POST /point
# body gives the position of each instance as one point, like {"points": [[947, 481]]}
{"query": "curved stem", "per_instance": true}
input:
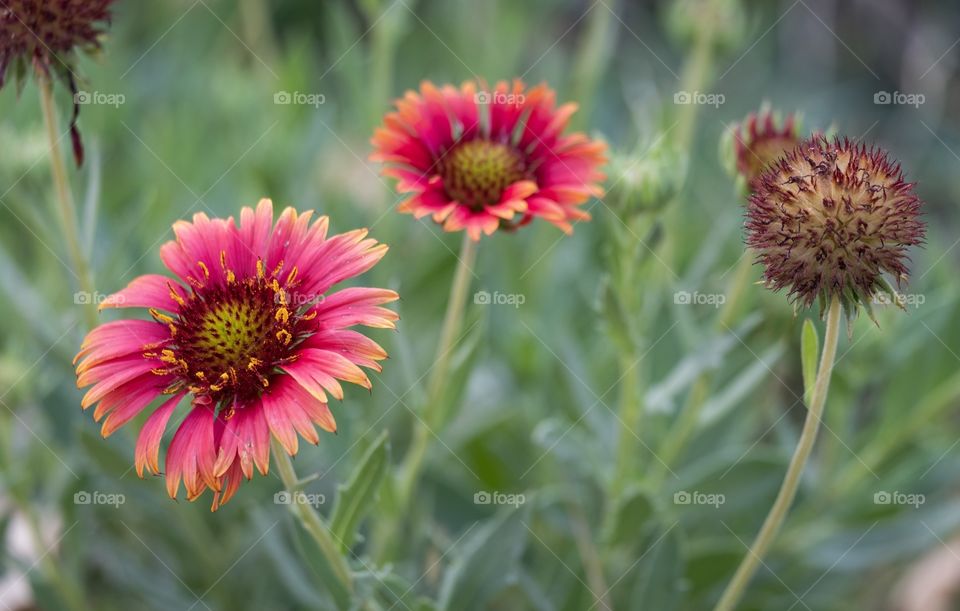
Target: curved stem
{"points": [[435, 412], [312, 522], [748, 566], [65, 206]]}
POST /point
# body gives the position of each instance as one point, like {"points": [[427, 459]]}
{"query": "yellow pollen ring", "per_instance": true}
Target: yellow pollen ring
{"points": [[284, 336], [282, 316], [260, 273]]}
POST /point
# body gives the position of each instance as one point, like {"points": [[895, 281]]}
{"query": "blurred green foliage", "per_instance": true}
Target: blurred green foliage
{"points": [[536, 387]]}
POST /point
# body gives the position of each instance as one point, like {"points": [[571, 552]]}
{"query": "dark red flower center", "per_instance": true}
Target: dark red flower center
{"points": [[475, 173], [227, 340]]}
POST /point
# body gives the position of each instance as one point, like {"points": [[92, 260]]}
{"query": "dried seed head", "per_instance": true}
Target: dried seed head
{"points": [[47, 32], [830, 219]]}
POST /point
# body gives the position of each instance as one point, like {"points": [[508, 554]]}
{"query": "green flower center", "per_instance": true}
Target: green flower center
{"points": [[228, 340], [475, 173]]}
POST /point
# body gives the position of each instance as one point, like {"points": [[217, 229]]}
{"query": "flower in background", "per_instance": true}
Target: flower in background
{"points": [[761, 139], [480, 159], [247, 331], [47, 35], [830, 219]]}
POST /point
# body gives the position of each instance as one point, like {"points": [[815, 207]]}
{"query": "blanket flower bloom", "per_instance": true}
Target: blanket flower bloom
{"points": [[761, 139], [830, 219], [249, 332], [480, 159]]}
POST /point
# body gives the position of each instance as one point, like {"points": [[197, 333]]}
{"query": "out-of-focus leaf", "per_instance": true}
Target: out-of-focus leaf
{"points": [[91, 204], [733, 393], [357, 495], [487, 561], [659, 572], [661, 398], [294, 578], [632, 512], [809, 347]]}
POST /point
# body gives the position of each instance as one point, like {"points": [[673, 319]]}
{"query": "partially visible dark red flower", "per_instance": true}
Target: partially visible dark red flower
{"points": [[830, 219], [760, 140], [47, 34]]}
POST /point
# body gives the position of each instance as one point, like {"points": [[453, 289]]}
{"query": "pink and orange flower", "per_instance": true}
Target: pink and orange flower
{"points": [[480, 159], [249, 332]]}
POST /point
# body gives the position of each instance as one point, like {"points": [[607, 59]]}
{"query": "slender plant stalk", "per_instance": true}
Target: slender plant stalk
{"points": [[310, 520], [65, 206], [771, 526], [435, 413]]}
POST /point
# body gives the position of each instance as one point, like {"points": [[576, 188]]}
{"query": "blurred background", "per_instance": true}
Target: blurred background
{"points": [[573, 475]]}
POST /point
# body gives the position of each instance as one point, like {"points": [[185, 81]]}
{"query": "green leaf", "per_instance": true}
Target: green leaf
{"points": [[809, 349], [357, 495], [660, 572], [633, 511], [487, 561]]}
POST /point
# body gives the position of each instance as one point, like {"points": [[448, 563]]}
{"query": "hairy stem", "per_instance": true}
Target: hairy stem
{"points": [[788, 490], [313, 523], [435, 412], [66, 209]]}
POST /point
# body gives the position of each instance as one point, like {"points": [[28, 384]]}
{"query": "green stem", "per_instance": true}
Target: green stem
{"points": [[435, 413], [313, 523], [65, 206], [788, 490]]}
